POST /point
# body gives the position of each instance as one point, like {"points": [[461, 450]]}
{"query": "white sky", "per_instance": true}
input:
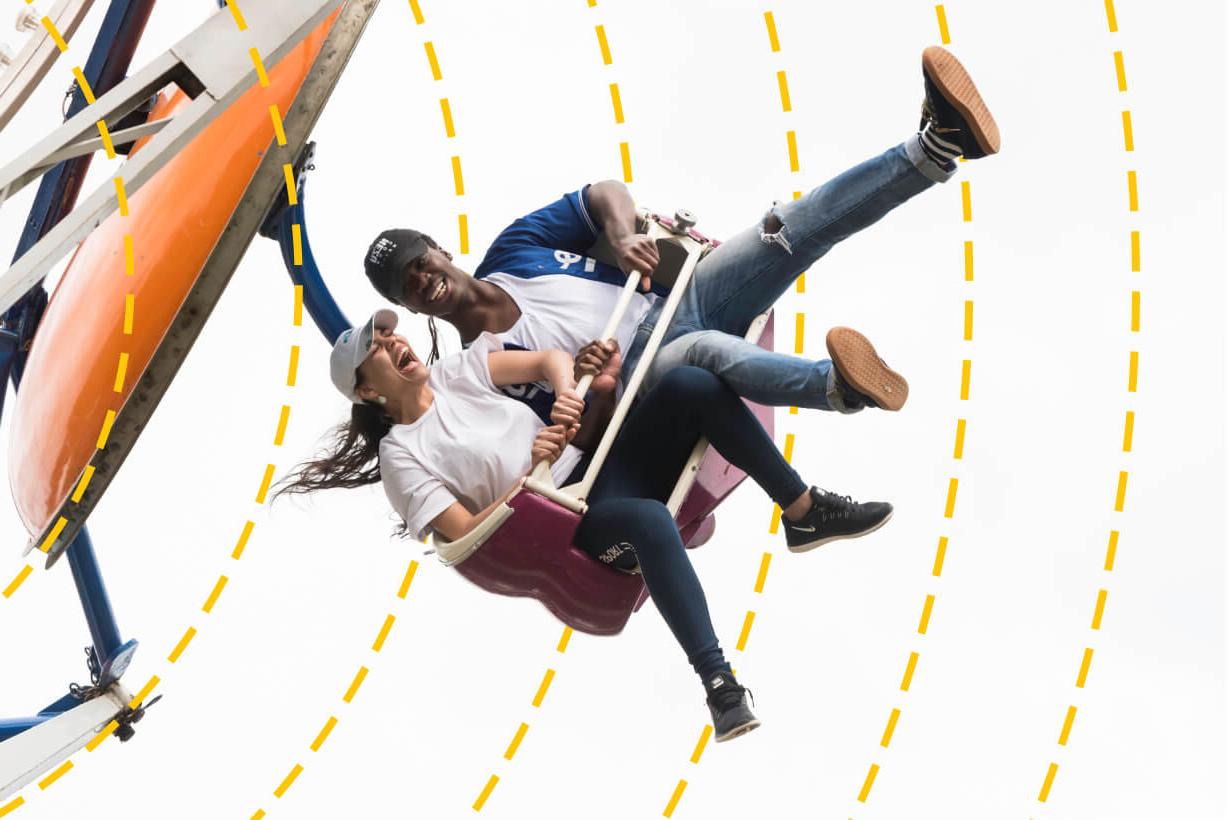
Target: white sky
{"points": [[834, 628]]}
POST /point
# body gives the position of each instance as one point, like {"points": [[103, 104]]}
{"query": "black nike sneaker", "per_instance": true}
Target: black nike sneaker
{"points": [[953, 107], [727, 702], [833, 517]]}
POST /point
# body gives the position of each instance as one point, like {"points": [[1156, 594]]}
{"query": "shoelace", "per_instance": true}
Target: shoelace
{"points": [[844, 505], [727, 698], [929, 116]]}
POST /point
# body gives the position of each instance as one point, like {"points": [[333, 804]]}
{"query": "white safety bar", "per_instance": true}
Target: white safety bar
{"points": [[31, 64], [540, 481]]}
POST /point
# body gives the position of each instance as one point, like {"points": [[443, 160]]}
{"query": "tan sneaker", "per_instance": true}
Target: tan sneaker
{"points": [[860, 368]]}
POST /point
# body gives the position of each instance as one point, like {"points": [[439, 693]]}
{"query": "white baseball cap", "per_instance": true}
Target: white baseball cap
{"points": [[352, 348]]}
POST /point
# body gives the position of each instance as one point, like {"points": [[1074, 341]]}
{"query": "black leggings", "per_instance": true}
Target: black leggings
{"points": [[627, 503]]}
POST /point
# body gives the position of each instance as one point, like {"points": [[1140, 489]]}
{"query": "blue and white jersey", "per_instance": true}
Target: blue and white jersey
{"points": [[565, 297]]}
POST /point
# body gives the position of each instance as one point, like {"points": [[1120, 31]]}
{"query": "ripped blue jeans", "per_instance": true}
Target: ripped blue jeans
{"points": [[751, 270]]}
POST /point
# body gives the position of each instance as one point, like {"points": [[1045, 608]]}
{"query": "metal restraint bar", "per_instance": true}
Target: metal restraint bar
{"points": [[212, 65]]}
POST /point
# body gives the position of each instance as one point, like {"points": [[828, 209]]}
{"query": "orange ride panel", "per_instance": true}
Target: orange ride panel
{"points": [[174, 221]]}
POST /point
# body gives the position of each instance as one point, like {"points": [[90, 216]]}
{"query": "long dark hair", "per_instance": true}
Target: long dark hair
{"points": [[349, 460]]}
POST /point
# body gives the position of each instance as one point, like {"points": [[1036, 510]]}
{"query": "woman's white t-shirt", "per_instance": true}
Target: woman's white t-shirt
{"points": [[470, 446]]}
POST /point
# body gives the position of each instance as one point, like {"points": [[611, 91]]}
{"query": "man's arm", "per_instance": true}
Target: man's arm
{"points": [[612, 208]]}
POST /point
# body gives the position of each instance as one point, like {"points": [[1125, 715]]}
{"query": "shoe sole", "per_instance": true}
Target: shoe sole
{"points": [[738, 730], [811, 545], [856, 360], [954, 82]]}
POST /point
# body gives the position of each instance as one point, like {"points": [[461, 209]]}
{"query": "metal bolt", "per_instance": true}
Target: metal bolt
{"points": [[29, 19], [6, 56]]}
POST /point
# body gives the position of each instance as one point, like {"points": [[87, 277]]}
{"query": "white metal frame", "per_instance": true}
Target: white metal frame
{"points": [[25, 756], [212, 64], [37, 57]]}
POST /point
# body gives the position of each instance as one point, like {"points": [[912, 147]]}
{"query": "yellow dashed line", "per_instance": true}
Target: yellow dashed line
{"points": [[1067, 726], [86, 475], [1084, 673], [910, 665], [958, 449], [59, 772], [942, 19], [208, 606], [798, 333], [1135, 251], [1050, 773], [800, 284], [969, 261], [266, 480], [261, 76], [120, 371], [12, 805], [486, 792], [432, 61], [288, 781], [625, 159], [564, 638], [463, 233], [294, 366], [1099, 609], [121, 196], [888, 730], [792, 147], [384, 633], [747, 628], [784, 90], [1133, 201], [617, 104], [543, 687], [764, 572], [98, 739], [84, 85], [516, 741], [1135, 311], [774, 45], [1121, 491], [965, 372], [105, 433], [55, 34], [239, 21], [417, 12], [458, 185], [296, 242], [140, 697], [867, 783], [323, 734], [17, 581], [969, 320], [967, 208], [283, 419], [405, 584], [705, 734], [355, 684], [1110, 16], [1112, 545], [108, 146], [243, 540], [54, 534], [603, 46], [1128, 143], [674, 801], [1120, 74], [130, 308], [951, 503], [788, 449], [1133, 367], [940, 550], [182, 645], [1129, 421], [292, 193], [276, 117], [926, 615], [446, 111], [775, 520]]}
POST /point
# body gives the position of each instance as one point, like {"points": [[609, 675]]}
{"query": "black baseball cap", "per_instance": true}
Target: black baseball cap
{"points": [[388, 256]]}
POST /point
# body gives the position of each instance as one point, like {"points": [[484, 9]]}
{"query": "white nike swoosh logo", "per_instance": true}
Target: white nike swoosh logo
{"points": [[802, 529]]}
